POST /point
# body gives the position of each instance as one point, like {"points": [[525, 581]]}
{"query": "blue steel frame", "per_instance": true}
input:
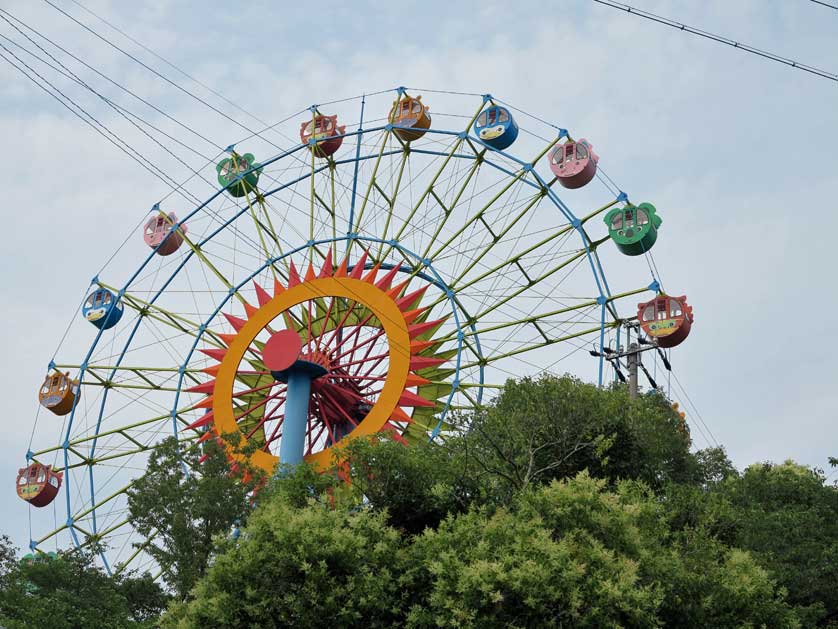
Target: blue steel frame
{"points": [[604, 292]]}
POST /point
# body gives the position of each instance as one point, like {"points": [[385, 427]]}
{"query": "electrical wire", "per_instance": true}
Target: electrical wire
{"points": [[721, 39], [110, 80], [157, 74], [89, 119], [825, 4]]}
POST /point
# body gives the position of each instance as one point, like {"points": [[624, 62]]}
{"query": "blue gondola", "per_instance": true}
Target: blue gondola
{"points": [[102, 309], [496, 128]]}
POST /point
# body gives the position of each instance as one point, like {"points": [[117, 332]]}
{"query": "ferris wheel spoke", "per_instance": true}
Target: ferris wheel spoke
{"points": [[391, 202], [368, 193]]}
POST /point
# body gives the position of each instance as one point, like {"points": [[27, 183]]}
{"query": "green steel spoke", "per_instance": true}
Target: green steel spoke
{"points": [[366, 196], [528, 348], [506, 299], [455, 147]]}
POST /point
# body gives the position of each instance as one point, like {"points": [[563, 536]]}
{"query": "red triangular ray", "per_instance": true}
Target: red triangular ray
{"points": [[218, 354], [261, 294], [278, 287], [418, 346], [203, 457], [358, 269], [342, 268], [423, 362], [411, 315], [204, 387], [384, 282], [398, 415], [207, 436], [408, 300], [236, 322], [205, 419], [310, 275], [227, 338], [411, 399], [415, 381], [370, 277], [212, 371], [205, 403], [250, 310], [420, 328], [293, 275], [396, 290], [327, 270]]}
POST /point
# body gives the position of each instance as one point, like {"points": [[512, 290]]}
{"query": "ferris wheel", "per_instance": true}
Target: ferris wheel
{"points": [[367, 265]]}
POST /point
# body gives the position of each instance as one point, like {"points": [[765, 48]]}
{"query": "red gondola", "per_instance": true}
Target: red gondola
{"points": [[666, 319], [38, 484], [324, 130]]}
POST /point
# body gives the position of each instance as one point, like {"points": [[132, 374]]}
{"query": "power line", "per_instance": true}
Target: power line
{"points": [[109, 135], [825, 4], [70, 74], [155, 72], [107, 78], [169, 63], [721, 39]]}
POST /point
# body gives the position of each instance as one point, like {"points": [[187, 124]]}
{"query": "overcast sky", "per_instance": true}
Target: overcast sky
{"points": [[737, 153]]}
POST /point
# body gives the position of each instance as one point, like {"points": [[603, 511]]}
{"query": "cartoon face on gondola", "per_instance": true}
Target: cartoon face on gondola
{"points": [[101, 309], [495, 127], [99, 306]]}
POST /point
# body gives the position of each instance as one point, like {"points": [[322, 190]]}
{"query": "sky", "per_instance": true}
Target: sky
{"points": [[736, 152]]}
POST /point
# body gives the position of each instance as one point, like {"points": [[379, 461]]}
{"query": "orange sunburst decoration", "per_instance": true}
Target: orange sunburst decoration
{"points": [[366, 343]]}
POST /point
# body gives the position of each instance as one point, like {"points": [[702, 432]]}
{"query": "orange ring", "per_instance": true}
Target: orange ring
{"points": [[376, 300]]}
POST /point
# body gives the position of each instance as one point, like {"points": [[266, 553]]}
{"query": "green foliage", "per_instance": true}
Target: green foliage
{"points": [[69, 592], [788, 517], [418, 486], [302, 568], [572, 554], [182, 503], [553, 428]]}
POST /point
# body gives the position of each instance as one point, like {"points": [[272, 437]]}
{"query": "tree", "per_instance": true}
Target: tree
{"points": [[302, 567], [553, 428], [787, 516], [183, 501], [67, 591], [573, 553]]}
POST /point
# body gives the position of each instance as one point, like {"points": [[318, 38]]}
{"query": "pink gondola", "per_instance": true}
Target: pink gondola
{"points": [[573, 163], [158, 228]]}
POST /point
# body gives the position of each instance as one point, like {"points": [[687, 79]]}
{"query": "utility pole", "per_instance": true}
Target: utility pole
{"points": [[632, 359], [631, 354]]}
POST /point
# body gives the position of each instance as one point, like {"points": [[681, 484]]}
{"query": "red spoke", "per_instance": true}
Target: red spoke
{"points": [[310, 337], [274, 436], [249, 410], [338, 405], [380, 357], [339, 326], [325, 320], [326, 422], [255, 389], [313, 442], [371, 339], [265, 418], [373, 367]]}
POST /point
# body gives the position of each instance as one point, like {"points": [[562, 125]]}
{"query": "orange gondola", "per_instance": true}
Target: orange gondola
{"points": [[410, 117], [58, 392], [666, 319], [38, 484]]}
